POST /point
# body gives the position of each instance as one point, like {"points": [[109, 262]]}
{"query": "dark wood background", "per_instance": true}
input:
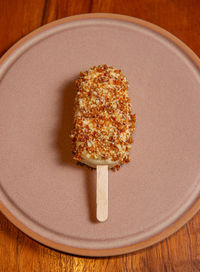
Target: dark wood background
{"points": [[178, 253]]}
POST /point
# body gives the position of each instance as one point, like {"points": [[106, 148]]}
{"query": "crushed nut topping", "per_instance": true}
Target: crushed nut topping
{"points": [[103, 120]]}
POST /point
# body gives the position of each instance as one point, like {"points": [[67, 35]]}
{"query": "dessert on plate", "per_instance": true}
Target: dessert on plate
{"points": [[103, 126]]}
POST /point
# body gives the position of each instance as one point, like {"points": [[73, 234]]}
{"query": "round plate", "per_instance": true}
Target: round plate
{"points": [[43, 191]]}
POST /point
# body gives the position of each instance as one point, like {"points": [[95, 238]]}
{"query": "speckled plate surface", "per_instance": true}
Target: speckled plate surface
{"points": [[42, 190]]}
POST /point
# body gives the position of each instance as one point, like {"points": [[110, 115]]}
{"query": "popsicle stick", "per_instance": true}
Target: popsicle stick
{"points": [[102, 193]]}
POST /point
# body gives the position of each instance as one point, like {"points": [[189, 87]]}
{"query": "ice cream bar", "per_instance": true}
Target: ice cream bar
{"points": [[103, 120]]}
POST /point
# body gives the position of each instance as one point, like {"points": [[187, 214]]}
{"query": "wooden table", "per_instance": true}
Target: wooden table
{"points": [[181, 251]]}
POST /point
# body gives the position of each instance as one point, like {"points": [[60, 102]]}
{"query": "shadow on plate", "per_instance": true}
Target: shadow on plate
{"points": [[64, 144]]}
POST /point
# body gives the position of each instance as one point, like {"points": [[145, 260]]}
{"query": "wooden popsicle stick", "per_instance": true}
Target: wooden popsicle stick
{"points": [[102, 193]]}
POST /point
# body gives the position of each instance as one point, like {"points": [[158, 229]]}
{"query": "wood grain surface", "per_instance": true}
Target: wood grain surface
{"points": [[181, 251]]}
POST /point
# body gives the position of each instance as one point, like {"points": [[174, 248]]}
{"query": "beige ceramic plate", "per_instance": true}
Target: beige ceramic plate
{"points": [[49, 197]]}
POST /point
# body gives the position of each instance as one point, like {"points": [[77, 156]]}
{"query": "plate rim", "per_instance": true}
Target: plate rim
{"points": [[124, 249]]}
